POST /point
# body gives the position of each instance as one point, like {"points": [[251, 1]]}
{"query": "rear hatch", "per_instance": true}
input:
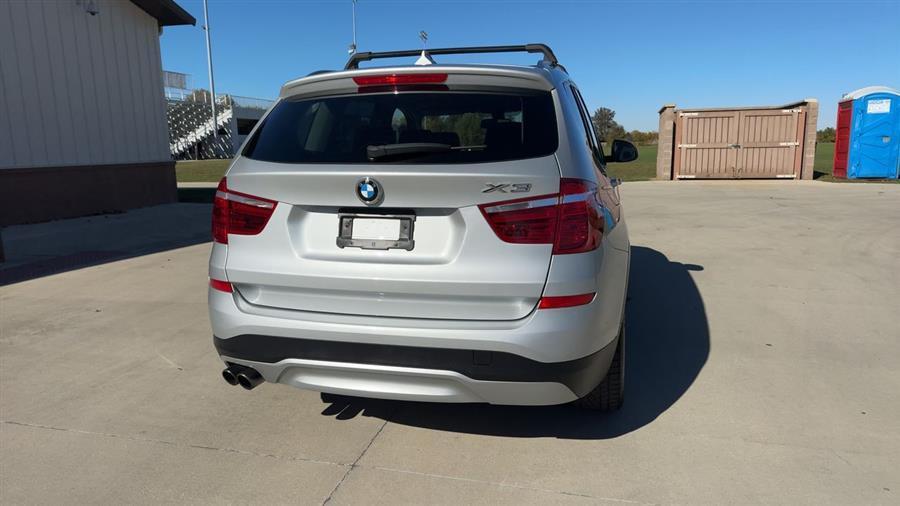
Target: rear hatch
{"points": [[377, 186]]}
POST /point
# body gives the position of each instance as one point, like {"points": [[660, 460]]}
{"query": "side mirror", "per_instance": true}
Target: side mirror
{"points": [[623, 151]]}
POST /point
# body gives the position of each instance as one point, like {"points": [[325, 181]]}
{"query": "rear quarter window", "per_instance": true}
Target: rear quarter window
{"points": [[479, 127]]}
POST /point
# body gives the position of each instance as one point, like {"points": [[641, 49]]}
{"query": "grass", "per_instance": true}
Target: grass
{"points": [[823, 165], [642, 169], [824, 161], [200, 171], [211, 171]]}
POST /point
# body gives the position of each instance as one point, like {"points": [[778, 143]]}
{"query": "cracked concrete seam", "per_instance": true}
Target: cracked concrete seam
{"points": [[355, 464], [350, 467], [170, 443]]}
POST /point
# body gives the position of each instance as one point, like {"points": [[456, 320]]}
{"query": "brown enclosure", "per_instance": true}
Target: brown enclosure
{"points": [[777, 142]]}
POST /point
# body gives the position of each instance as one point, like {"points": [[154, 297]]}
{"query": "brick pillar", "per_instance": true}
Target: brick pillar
{"points": [[666, 143], [809, 142]]}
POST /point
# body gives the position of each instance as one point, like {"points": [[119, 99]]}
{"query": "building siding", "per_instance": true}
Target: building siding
{"points": [[80, 89]]}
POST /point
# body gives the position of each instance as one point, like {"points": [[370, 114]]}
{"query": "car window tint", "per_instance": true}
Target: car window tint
{"points": [[596, 147], [481, 127]]}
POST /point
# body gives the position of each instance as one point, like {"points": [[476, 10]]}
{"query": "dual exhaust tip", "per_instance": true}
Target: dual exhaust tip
{"points": [[247, 377]]}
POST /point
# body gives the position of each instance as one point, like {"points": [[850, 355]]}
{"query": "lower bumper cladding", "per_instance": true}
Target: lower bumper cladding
{"points": [[383, 370]]}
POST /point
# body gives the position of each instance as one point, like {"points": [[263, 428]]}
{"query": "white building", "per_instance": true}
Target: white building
{"points": [[82, 110]]}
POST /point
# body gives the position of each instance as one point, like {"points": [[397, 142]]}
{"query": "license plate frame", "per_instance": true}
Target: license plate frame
{"points": [[405, 241]]}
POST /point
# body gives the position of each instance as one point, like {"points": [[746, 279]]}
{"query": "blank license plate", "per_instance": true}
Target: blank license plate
{"points": [[393, 231], [385, 229]]}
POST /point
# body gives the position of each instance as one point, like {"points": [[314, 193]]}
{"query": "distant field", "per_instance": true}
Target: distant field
{"points": [[642, 169], [194, 171], [200, 171], [824, 161]]}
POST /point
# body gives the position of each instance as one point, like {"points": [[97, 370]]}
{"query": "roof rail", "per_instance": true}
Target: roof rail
{"points": [[353, 62]]}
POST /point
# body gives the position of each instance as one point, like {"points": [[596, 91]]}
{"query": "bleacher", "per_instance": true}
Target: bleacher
{"points": [[191, 127], [189, 115]]}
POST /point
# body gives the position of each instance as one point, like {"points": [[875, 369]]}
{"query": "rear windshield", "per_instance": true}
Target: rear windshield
{"points": [[478, 127]]}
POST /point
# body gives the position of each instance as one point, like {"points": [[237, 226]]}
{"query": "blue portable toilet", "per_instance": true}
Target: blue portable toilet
{"points": [[871, 140]]}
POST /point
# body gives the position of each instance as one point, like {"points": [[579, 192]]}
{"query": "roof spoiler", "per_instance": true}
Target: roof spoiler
{"points": [[353, 62]]}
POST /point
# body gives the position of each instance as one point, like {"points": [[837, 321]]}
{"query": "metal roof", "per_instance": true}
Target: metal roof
{"points": [[166, 12]]}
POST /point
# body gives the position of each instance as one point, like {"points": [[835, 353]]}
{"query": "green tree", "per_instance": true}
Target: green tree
{"points": [[468, 127], [605, 126], [643, 138], [825, 135]]}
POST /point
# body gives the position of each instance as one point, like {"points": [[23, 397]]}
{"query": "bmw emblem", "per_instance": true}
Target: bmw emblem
{"points": [[369, 191]]}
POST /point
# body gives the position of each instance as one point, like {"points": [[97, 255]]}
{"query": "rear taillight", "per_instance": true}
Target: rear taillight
{"points": [[571, 220], [524, 221], [238, 213], [580, 219]]}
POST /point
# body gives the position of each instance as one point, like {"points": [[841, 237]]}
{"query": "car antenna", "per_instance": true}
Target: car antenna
{"points": [[425, 58]]}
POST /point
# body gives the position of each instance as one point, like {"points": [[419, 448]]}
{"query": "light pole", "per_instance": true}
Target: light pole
{"points": [[212, 82], [353, 46]]}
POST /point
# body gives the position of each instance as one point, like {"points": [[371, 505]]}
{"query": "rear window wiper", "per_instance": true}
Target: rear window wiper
{"points": [[405, 148]]}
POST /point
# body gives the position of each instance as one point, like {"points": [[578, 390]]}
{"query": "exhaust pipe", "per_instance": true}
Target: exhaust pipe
{"points": [[249, 378], [230, 374], [242, 375]]}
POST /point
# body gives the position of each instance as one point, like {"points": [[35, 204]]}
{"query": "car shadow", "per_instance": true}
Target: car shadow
{"points": [[668, 344], [36, 250]]}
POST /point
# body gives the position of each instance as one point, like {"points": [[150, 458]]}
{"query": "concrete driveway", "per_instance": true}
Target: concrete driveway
{"points": [[763, 367]]}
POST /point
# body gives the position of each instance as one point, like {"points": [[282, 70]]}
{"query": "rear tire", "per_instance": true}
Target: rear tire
{"points": [[610, 393]]}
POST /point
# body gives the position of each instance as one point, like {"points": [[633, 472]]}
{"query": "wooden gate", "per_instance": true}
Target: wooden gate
{"points": [[737, 144]]}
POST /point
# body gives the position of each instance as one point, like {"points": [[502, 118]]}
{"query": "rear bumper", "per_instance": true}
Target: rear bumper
{"points": [[415, 373], [554, 335], [550, 357]]}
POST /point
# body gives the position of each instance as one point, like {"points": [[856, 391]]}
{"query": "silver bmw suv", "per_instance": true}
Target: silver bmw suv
{"points": [[428, 232]]}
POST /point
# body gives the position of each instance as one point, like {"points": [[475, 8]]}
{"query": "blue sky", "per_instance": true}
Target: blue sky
{"points": [[631, 56]]}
